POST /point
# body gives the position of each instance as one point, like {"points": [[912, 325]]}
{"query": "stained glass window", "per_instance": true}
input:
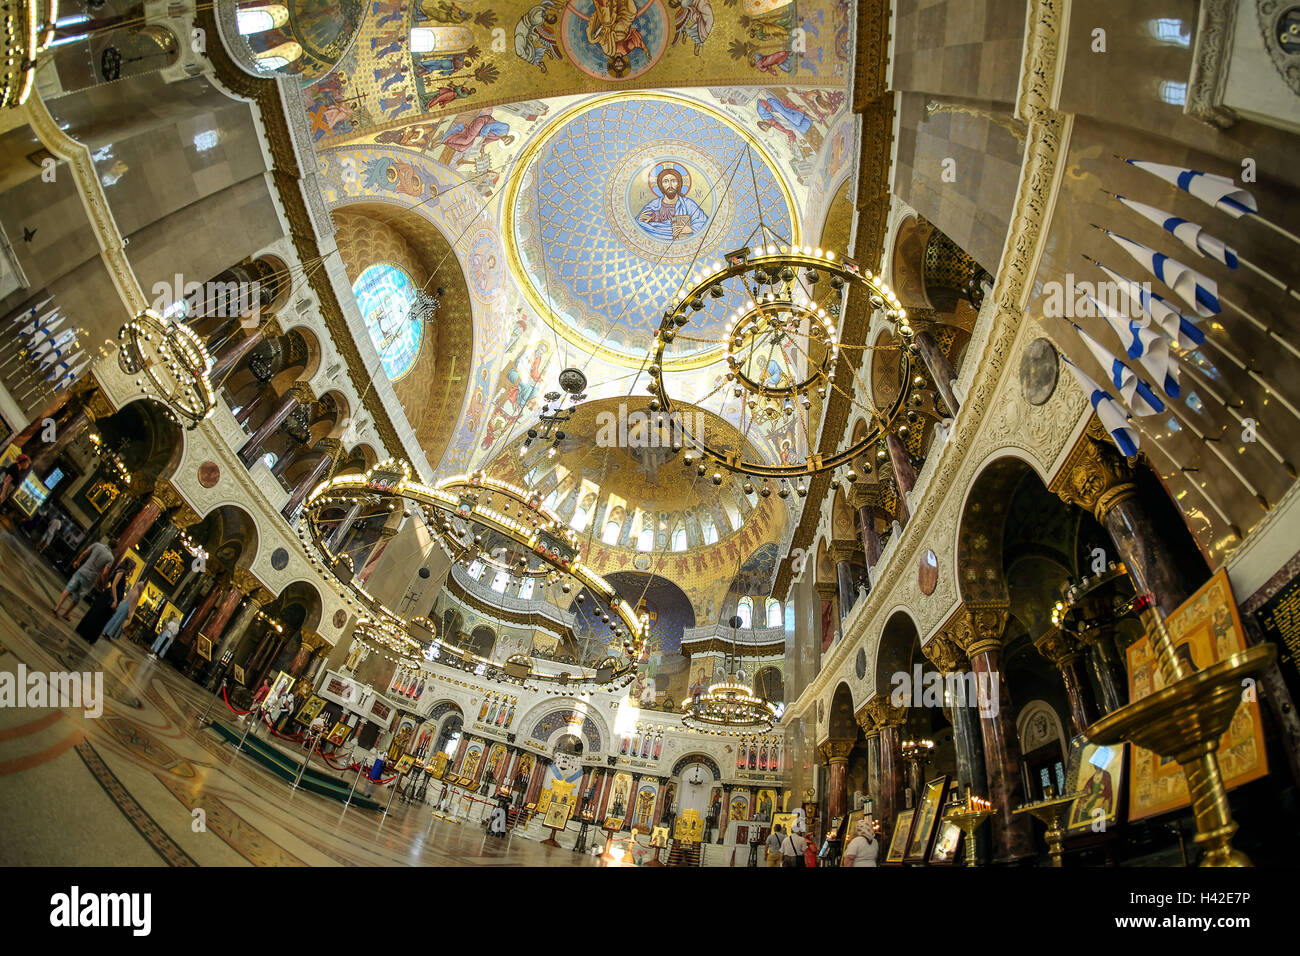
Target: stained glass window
{"points": [[385, 295]]}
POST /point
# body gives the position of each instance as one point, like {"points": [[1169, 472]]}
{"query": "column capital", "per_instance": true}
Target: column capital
{"points": [[944, 653], [1058, 647], [313, 641], [183, 516], [863, 493], [827, 589], [331, 448], [867, 723], [301, 391], [836, 751], [1095, 477], [164, 495], [246, 581], [842, 550], [97, 404], [884, 714], [985, 631]]}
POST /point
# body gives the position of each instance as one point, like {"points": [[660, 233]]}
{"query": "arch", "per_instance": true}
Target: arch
{"points": [[977, 556], [562, 720], [840, 714], [228, 534], [899, 641], [745, 611], [302, 593], [480, 641], [1038, 724], [695, 756], [149, 442], [769, 684], [773, 613]]}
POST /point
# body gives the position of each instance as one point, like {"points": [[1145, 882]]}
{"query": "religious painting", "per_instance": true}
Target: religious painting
{"points": [[204, 647], [496, 762], [851, 825], [689, 827], [557, 815], [902, 832], [1096, 774], [742, 835], [438, 767], [765, 805], [339, 734], [404, 764], [544, 800], [1205, 630], [239, 674], [473, 757], [918, 846], [614, 39], [308, 711], [645, 805], [659, 837], [739, 807], [102, 495], [785, 821], [945, 844], [620, 796], [151, 601], [171, 565]]}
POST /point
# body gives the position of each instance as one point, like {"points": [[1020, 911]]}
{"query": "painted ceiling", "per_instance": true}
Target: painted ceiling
{"points": [[573, 202]]}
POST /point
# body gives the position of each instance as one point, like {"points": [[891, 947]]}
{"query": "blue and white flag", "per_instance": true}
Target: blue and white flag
{"points": [[1109, 411], [53, 342], [71, 376], [53, 355], [34, 326], [1199, 291], [44, 333], [1148, 346], [1217, 191], [1137, 394], [1188, 233], [28, 314], [62, 368], [1180, 330]]}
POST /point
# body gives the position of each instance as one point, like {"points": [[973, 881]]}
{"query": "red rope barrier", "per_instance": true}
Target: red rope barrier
{"points": [[231, 706]]}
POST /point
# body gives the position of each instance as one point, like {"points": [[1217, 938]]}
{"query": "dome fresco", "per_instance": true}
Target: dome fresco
{"points": [[304, 39], [616, 201]]}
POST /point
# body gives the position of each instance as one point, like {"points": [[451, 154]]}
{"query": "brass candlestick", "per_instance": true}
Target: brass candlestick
{"points": [[1052, 812], [968, 816], [1184, 721]]}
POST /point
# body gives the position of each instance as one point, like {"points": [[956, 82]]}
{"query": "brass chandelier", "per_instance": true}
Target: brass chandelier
{"points": [[171, 364], [791, 301], [729, 706]]}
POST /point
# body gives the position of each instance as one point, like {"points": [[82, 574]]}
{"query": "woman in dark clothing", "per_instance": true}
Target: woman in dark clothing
{"points": [[106, 601]]}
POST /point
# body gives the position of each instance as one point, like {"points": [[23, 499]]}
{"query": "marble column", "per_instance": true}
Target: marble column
{"points": [[238, 630], [940, 369], [872, 734], [216, 625], [828, 591], [631, 802], [539, 777], [872, 546], [164, 496], [1098, 480], [979, 633], [904, 475], [889, 720], [250, 408], [724, 817], [836, 754], [65, 433], [1066, 655], [950, 660], [331, 450], [252, 449], [340, 532], [231, 353], [186, 636], [847, 591]]}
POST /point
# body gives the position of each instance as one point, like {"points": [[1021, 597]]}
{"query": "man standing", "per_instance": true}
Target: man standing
{"points": [[89, 567], [51, 530]]}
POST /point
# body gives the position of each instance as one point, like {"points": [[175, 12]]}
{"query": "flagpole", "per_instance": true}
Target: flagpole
{"points": [[1261, 326], [1255, 375], [1267, 275], [1185, 470], [1232, 410]]}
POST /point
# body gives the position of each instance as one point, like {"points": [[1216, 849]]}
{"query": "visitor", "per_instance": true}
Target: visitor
{"points": [[774, 845], [864, 847], [93, 623], [14, 473], [51, 530], [163, 642], [87, 570], [125, 611], [792, 849]]}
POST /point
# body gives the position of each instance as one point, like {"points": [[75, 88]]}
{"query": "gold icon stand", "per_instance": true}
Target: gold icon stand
{"points": [[1184, 721], [1052, 813], [968, 818]]}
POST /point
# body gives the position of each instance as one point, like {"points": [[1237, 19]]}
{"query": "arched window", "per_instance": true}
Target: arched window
{"points": [[745, 611], [386, 296], [710, 532], [499, 581], [679, 539], [774, 616], [261, 17], [610, 534], [475, 570], [526, 587], [579, 519], [645, 541]]}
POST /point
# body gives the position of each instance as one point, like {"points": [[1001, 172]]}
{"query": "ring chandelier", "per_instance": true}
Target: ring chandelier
{"points": [[729, 707], [793, 299], [171, 365], [475, 518]]}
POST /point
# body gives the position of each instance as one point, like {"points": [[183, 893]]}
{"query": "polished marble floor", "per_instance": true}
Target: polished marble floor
{"points": [[126, 788]]}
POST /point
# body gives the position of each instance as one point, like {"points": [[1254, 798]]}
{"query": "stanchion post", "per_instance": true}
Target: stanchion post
{"points": [[253, 717], [208, 710], [306, 760], [391, 794], [355, 780]]}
